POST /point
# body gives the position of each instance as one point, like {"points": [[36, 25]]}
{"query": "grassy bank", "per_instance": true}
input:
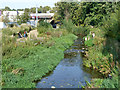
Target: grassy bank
{"points": [[103, 52], [25, 62]]}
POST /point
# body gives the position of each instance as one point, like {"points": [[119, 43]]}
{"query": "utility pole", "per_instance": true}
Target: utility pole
{"points": [[36, 16]]}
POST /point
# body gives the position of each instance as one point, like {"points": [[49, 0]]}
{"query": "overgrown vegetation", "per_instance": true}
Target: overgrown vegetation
{"points": [[27, 61], [43, 27], [102, 22], [85, 13], [103, 51]]}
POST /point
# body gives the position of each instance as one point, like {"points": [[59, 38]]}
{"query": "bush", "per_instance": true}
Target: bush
{"points": [[18, 73], [111, 26], [110, 83], [42, 30], [89, 43], [44, 27], [103, 52], [68, 25], [7, 32], [44, 24], [80, 30]]}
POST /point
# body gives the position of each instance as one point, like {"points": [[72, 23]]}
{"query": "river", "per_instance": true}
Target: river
{"points": [[70, 72]]}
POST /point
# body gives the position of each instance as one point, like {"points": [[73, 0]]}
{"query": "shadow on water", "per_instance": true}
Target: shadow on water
{"points": [[70, 71]]}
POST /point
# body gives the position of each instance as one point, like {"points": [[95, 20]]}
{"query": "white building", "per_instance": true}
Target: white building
{"points": [[42, 15], [12, 14], [45, 16]]}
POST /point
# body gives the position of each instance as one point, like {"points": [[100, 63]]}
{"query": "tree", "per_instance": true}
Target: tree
{"points": [[86, 13], [27, 10], [7, 8], [23, 18], [40, 9], [53, 10], [95, 11], [65, 10], [33, 10], [46, 8], [20, 9], [13, 9], [6, 19]]}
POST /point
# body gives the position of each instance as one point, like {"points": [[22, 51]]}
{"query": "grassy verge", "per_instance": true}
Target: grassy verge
{"points": [[25, 62]]}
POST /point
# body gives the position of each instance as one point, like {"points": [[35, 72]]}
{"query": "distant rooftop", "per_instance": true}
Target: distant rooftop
{"points": [[42, 15]]}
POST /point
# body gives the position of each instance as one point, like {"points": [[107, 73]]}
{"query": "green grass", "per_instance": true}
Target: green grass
{"points": [[110, 83], [105, 83], [33, 62]]}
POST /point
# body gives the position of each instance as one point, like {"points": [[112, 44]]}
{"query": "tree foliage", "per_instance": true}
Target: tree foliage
{"points": [[87, 13], [40, 9], [23, 18], [6, 19], [7, 8]]}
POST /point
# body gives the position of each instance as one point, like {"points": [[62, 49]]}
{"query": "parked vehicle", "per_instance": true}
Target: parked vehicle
{"points": [[2, 25]]}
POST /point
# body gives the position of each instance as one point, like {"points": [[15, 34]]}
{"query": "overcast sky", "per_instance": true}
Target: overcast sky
{"points": [[21, 4]]}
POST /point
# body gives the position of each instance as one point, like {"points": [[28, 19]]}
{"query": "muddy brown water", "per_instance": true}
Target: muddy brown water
{"points": [[70, 72]]}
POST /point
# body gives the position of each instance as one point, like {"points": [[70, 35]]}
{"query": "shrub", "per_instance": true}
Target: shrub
{"points": [[68, 25], [111, 26], [44, 24], [89, 43], [26, 63], [42, 30], [44, 27]]}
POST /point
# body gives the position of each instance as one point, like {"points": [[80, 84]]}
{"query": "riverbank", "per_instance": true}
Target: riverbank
{"points": [[70, 72], [103, 56], [26, 62]]}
